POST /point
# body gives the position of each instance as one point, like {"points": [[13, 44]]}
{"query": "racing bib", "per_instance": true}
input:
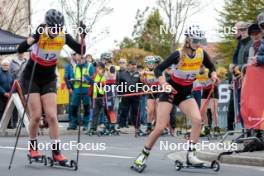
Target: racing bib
{"points": [[47, 51], [151, 79], [188, 67]]}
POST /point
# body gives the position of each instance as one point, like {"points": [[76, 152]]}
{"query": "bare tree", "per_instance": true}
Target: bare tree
{"points": [[14, 16], [177, 12], [89, 11]]}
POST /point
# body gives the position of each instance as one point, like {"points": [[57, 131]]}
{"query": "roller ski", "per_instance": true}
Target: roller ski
{"points": [[36, 157], [59, 160], [193, 162], [140, 163]]}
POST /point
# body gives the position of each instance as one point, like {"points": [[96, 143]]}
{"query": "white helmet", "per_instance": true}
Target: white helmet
{"points": [[149, 60], [194, 31]]}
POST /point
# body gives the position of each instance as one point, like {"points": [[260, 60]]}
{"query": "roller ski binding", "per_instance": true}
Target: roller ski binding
{"points": [[194, 162], [36, 157], [139, 164], [58, 159]]}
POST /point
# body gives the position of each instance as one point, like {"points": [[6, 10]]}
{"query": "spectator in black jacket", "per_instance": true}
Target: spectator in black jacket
{"points": [[131, 78]]}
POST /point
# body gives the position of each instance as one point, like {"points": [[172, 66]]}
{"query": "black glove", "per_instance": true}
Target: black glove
{"points": [[82, 30]]}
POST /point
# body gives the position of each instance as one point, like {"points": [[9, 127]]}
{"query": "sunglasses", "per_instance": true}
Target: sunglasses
{"points": [[122, 62]]}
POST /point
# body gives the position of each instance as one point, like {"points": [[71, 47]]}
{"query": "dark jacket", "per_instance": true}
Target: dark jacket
{"points": [[236, 51], [130, 79], [243, 52], [121, 76], [6, 81]]}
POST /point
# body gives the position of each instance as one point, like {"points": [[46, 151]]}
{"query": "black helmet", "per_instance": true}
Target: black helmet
{"points": [[54, 18]]}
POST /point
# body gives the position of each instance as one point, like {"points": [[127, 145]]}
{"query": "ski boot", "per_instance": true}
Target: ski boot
{"points": [[193, 162], [36, 156], [58, 159], [140, 163]]}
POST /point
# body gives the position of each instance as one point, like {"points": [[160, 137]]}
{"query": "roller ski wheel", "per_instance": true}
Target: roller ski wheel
{"points": [[39, 158], [178, 165], [215, 165], [72, 164], [138, 168]]}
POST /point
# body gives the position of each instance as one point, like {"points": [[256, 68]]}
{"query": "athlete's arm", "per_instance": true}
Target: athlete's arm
{"points": [[25, 45], [75, 46], [172, 59], [208, 64]]}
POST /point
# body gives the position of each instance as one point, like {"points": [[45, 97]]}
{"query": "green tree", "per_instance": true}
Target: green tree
{"points": [[131, 53], [234, 11], [147, 35]]}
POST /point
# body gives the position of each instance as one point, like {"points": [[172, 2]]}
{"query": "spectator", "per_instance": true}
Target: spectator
{"points": [[89, 58], [6, 81], [255, 33], [16, 66], [242, 59], [131, 77], [119, 78], [67, 76], [245, 44]]}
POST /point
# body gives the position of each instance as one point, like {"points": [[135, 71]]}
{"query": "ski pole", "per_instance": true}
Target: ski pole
{"points": [[81, 85], [23, 116]]}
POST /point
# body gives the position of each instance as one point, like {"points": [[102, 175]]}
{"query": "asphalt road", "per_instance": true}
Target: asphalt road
{"points": [[115, 160]]}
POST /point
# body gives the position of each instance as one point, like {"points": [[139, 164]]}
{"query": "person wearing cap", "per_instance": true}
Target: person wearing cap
{"points": [[6, 81], [260, 56], [131, 78], [230, 113], [245, 44], [242, 59], [254, 32]]}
